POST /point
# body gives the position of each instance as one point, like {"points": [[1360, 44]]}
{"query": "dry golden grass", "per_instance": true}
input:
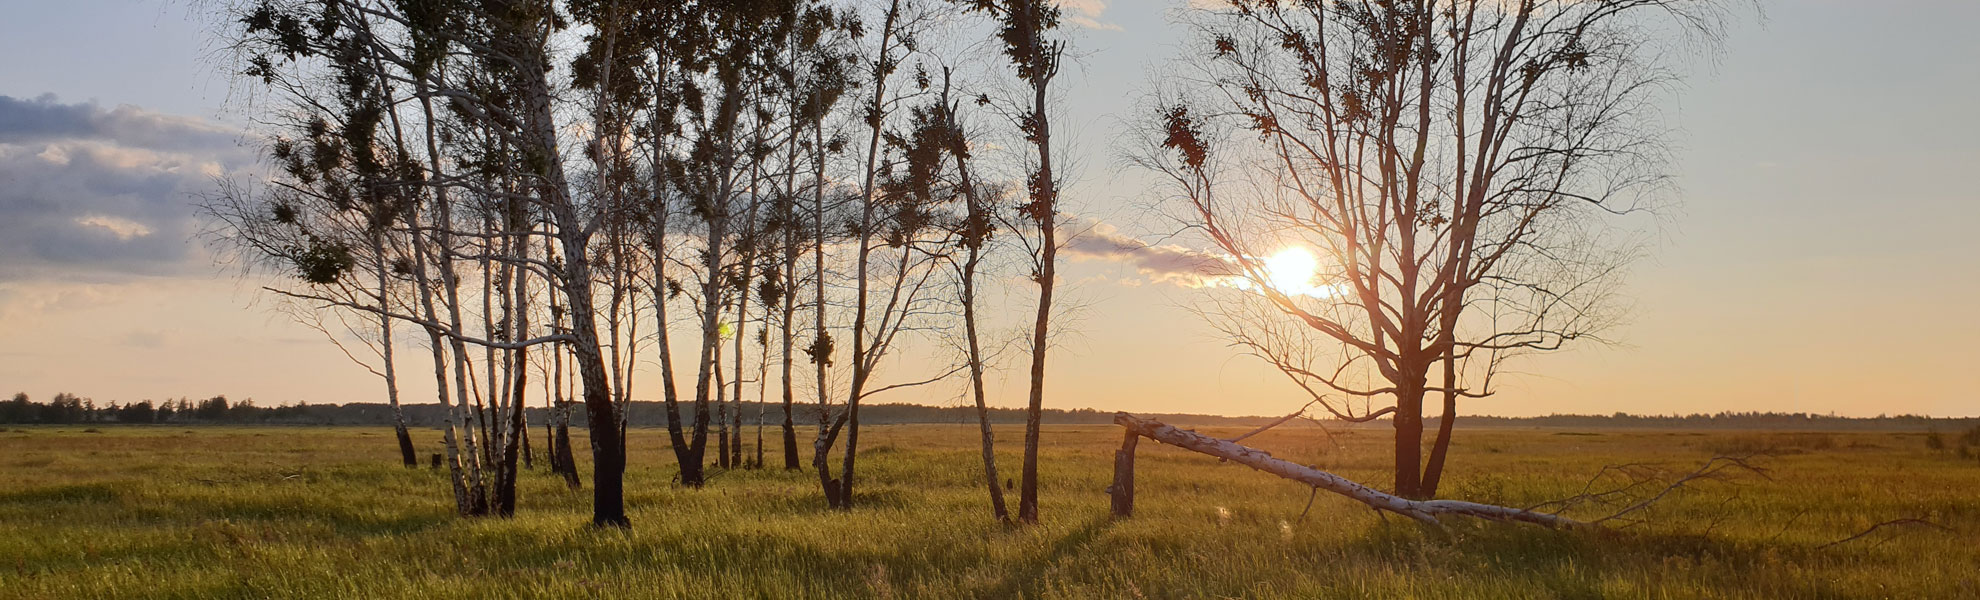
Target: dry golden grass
{"points": [[176, 512]]}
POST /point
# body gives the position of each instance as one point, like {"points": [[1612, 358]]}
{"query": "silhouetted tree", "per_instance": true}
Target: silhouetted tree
{"points": [[1023, 27], [139, 412], [1449, 160]]}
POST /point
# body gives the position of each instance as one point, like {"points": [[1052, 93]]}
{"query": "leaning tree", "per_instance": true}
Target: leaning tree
{"points": [[1450, 168]]}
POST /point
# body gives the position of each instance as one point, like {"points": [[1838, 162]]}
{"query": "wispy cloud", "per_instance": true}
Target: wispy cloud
{"points": [[1292, 271], [1086, 14], [1159, 263]]}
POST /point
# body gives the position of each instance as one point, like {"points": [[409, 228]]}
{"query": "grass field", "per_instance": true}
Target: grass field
{"points": [[210, 512]]}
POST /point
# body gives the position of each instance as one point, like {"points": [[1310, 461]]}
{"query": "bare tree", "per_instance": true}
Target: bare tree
{"points": [[1449, 161]]}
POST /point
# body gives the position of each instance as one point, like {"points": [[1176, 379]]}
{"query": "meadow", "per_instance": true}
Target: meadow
{"points": [[258, 512]]}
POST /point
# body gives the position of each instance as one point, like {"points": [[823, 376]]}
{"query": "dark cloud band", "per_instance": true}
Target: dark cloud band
{"points": [[94, 193]]}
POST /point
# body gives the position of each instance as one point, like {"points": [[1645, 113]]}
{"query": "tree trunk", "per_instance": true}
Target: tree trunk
{"points": [[469, 488], [821, 341], [1433, 473], [573, 234], [745, 247], [1122, 490], [505, 490], [689, 464], [450, 435], [789, 307], [528, 452], [566, 457], [516, 438], [562, 460], [842, 487], [990, 477], [1408, 422], [406, 453], [790, 297], [1425, 512], [1045, 211], [721, 416]]}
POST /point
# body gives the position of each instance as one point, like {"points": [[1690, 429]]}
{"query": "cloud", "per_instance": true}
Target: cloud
{"points": [[1086, 13], [95, 194], [45, 119], [1161, 264], [124, 229], [144, 338]]}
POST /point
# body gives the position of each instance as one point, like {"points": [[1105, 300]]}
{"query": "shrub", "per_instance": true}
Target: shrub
{"points": [[1771, 443]]}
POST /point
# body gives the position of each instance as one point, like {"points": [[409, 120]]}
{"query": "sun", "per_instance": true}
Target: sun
{"points": [[1292, 272]]}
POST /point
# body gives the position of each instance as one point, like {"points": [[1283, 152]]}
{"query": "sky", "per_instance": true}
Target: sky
{"points": [[1820, 256]]}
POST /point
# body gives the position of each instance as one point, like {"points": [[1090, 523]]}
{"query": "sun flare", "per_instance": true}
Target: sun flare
{"points": [[1295, 271]]}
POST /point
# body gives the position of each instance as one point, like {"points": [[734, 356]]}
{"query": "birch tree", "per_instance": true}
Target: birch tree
{"points": [[1024, 27]]}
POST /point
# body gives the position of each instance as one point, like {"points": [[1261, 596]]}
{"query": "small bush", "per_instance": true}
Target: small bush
{"points": [[1934, 441], [1771, 443]]}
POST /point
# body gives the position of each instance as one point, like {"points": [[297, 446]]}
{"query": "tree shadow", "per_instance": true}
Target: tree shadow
{"points": [[77, 493], [1577, 564], [1022, 579]]}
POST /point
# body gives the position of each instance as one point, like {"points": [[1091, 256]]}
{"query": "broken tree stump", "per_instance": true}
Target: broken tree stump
{"points": [[1123, 488]]}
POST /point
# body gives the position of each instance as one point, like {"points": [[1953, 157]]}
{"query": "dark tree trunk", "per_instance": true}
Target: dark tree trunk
{"points": [[528, 453], [1038, 61], [1045, 211], [608, 452], [1433, 473], [562, 461], [505, 490], [406, 447], [566, 458], [1408, 421]]}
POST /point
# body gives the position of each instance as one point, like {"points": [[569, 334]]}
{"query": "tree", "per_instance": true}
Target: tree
{"points": [[1450, 161], [809, 78], [210, 409], [895, 224], [1024, 25], [449, 110], [938, 139], [138, 412], [19, 410], [714, 62]]}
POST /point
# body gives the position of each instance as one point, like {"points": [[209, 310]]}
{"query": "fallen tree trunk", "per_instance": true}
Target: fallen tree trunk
{"points": [[1423, 511]]}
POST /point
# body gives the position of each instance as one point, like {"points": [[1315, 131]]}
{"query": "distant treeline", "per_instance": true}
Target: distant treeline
{"points": [[1729, 421], [70, 409]]}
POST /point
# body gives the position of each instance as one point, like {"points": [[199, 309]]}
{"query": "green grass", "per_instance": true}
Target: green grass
{"points": [[174, 512]]}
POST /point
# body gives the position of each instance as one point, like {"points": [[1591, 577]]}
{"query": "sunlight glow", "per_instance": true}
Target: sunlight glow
{"points": [[1291, 270], [1295, 271]]}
